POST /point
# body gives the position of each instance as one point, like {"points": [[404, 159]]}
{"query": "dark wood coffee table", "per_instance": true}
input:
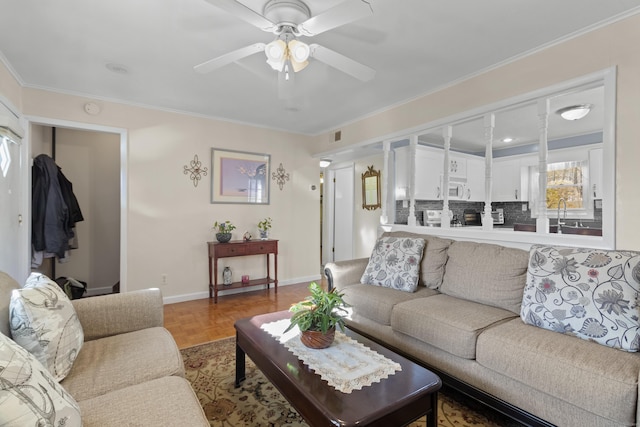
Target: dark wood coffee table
{"points": [[395, 401]]}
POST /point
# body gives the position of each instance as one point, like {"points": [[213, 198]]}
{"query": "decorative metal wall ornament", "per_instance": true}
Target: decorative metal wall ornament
{"points": [[279, 176], [196, 171]]}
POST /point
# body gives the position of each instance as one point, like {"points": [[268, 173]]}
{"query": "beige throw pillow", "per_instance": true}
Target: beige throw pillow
{"points": [[29, 396], [44, 322]]}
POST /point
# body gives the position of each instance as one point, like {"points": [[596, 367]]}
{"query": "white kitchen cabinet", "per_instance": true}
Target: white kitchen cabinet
{"points": [[457, 166], [429, 167], [595, 173], [475, 179], [510, 181]]}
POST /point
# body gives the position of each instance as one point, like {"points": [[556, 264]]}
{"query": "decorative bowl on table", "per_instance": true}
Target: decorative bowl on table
{"points": [[223, 237]]}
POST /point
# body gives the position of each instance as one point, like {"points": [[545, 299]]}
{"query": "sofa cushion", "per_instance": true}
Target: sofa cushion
{"points": [[485, 273], [433, 259], [449, 323], [168, 401], [29, 395], [44, 322], [119, 361], [376, 303], [589, 293], [596, 378], [7, 285], [394, 263]]}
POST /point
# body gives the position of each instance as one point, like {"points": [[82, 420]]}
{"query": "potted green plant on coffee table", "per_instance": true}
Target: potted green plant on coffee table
{"points": [[223, 230], [318, 315]]}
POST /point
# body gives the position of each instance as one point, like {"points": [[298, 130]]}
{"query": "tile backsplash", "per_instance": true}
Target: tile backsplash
{"points": [[513, 212]]}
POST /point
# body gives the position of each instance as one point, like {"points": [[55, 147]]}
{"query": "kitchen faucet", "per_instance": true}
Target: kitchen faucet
{"points": [[560, 224]]}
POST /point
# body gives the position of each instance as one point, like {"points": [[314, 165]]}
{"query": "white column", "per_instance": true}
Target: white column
{"points": [[489, 126], [542, 222], [413, 144], [447, 132], [386, 177]]}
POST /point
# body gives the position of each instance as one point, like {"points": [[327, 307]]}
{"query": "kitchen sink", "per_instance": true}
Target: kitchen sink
{"points": [[566, 229]]}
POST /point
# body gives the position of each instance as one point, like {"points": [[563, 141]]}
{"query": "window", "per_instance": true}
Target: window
{"points": [[566, 181], [5, 156]]}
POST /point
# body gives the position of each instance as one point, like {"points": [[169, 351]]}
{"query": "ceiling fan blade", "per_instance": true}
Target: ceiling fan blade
{"points": [[228, 58], [345, 12], [245, 13], [342, 63]]}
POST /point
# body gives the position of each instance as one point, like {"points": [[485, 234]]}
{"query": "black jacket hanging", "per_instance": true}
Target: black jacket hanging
{"points": [[55, 209]]}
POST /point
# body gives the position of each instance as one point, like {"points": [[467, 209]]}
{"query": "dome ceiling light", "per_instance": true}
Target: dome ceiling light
{"points": [[575, 112]]}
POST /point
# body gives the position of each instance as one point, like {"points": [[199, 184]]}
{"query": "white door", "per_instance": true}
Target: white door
{"points": [[13, 224], [343, 207]]}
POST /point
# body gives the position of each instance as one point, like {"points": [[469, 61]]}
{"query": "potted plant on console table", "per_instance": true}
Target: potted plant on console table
{"points": [[318, 315], [223, 230], [264, 226]]}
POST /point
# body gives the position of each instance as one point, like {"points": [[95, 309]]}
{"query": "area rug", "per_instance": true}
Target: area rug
{"points": [[210, 368]]}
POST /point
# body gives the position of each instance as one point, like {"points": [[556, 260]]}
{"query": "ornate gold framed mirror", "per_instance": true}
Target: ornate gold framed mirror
{"points": [[371, 189]]}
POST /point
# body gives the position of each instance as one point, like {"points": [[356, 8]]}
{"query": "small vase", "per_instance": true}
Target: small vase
{"points": [[264, 234], [316, 339], [223, 237], [226, 276]]}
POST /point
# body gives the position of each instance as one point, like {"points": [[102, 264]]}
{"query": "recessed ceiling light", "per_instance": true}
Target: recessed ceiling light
{"points": [[117, 68], [507, 139], [575, 112]]}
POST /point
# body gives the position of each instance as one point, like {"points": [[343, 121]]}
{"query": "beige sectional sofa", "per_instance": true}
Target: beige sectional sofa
{"points": [[129, 371], [464, 322]]}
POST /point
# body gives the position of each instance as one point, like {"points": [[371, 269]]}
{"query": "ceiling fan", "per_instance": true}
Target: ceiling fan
{"points": [[288, 20]]}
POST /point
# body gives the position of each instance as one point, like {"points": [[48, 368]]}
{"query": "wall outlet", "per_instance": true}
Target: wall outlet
{"points": [[524, 207], [163, 280]]}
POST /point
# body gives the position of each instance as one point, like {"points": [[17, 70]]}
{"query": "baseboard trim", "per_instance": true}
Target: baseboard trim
{"points": [[205, 294]]}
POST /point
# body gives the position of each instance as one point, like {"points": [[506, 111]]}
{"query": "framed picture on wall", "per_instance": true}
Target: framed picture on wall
{"points": [[239, 177]]}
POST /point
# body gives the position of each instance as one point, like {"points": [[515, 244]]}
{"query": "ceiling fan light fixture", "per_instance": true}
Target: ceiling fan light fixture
{"points": [[299, 51], [298, 66], [575, 112], [276, 54]]}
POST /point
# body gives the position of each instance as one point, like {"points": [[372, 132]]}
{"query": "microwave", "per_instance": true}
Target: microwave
{"points": [[457, 189], [498, 216]]}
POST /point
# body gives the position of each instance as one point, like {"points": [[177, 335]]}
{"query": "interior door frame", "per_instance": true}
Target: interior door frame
{"points": [[124, 180], [16, 266], [329, 211]]}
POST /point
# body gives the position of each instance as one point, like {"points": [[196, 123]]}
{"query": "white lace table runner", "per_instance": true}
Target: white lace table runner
{"points": [[346, 365]]}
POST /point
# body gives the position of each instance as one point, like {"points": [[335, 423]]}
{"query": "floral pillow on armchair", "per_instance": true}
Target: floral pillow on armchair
{"points": [[395, 263], [590, 293]]}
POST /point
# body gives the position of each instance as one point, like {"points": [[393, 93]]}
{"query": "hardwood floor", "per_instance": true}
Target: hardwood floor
{"points": [[199, 321]]}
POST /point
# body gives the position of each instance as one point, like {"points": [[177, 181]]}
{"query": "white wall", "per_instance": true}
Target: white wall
{"points": [[169, 220], [613, 45], [366, 222]]}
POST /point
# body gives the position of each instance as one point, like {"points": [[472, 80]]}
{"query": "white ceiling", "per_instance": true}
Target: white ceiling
{"points": [[416, 46]]}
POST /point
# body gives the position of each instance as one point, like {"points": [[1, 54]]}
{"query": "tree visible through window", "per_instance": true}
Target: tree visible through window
{"points": [[565, 180]]}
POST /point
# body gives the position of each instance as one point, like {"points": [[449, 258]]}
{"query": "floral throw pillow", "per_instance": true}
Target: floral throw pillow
{"points": [[29, 396], [44, 322], [395, 263], [590, 293]]}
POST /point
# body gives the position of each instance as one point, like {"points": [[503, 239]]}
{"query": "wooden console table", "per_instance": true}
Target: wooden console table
{"points": [[236, 248]]}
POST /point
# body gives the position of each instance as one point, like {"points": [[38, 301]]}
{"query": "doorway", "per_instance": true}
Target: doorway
{"points": [[94, 159], [338, 213]]}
